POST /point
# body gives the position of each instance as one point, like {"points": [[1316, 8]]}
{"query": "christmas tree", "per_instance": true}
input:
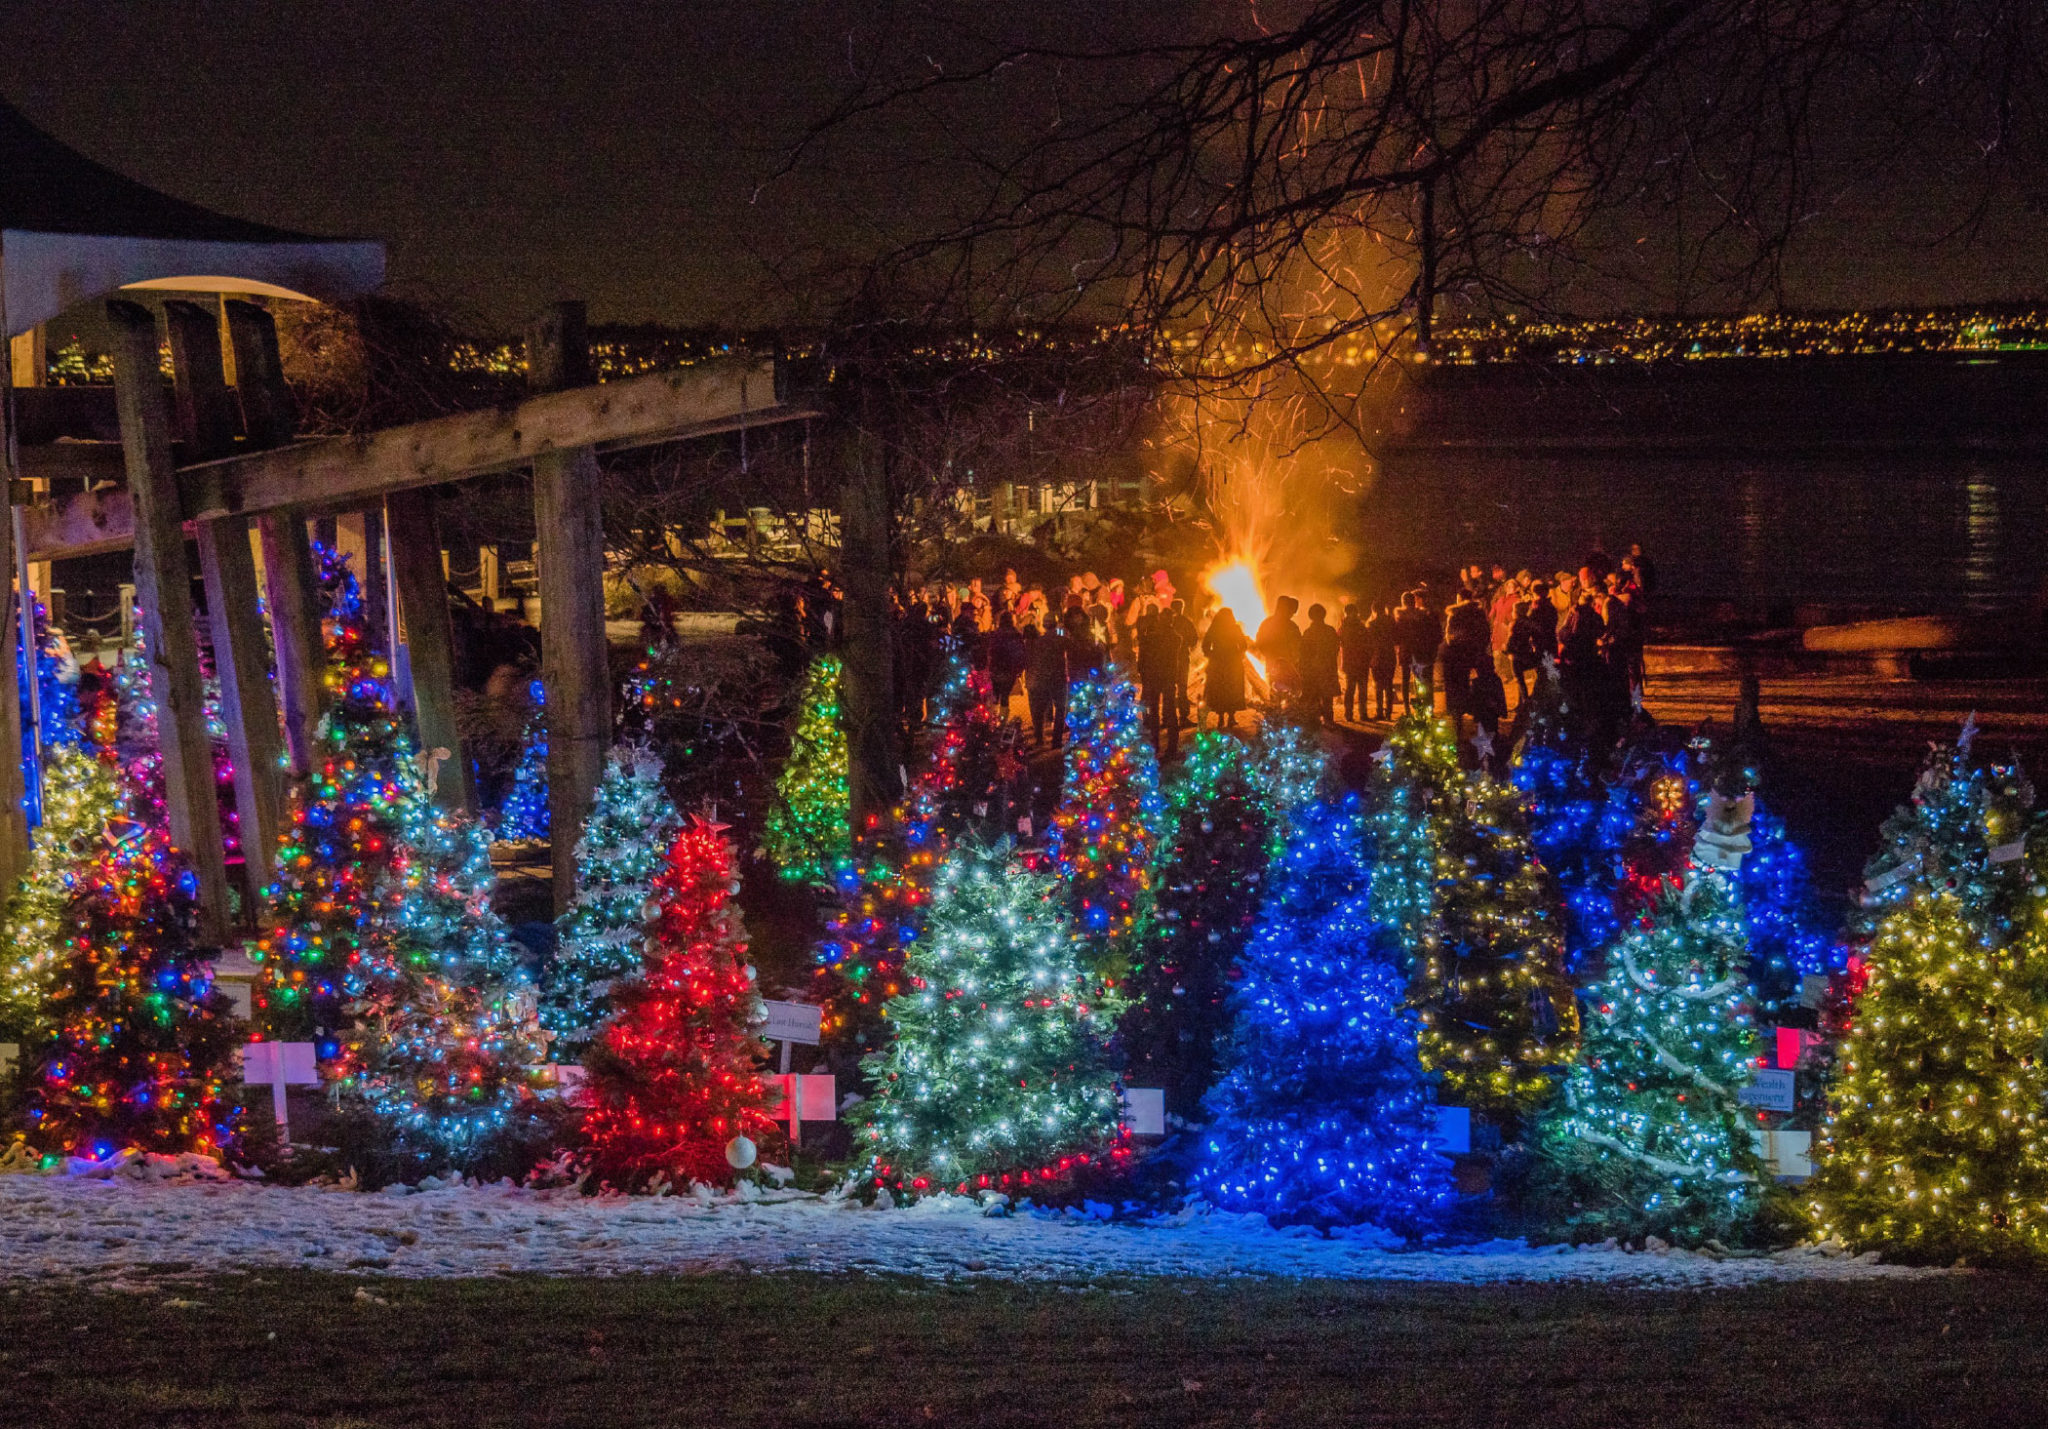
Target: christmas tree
{"points": [[961, 787], [807, 836], [1322, 1112], [1651, 1137], [385, 948], [134, 1048], [999, 1076], [1457, 879], [1206, 897], [524, 815], [1103, 833], [1577, 821], [1291, 770], [82, 797], [625, 844], [1934, 1145], [675, 1088]]}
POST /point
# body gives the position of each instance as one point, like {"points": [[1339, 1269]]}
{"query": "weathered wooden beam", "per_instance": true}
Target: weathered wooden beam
{"points": [[13, 819], [228, 567], [429, 638], [200, 398], [568, 520], [291, 588], [337, 473], [163, 589]]}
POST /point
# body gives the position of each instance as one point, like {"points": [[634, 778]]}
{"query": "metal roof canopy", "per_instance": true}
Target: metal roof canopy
{"points": [[72, 229]]}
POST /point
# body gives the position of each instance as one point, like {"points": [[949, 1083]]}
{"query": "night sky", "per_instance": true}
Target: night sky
{"points": [[512, 152]]}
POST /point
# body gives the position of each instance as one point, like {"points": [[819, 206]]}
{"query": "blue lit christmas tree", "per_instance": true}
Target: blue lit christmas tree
{"points": [[1322, 1111], [524, 815], [1578, 823]]}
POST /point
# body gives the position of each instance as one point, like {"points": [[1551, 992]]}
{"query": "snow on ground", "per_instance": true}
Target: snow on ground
{"points": [[115, 1231]]}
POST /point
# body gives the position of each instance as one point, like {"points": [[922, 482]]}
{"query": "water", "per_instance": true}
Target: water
{"points": [[1882, 533]]}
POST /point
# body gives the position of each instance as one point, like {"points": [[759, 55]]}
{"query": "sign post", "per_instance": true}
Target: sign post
{"points": [[790, 1023], [280, 1064]]}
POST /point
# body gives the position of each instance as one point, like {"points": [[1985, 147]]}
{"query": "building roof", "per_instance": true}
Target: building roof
{"points": [[73, 229]]}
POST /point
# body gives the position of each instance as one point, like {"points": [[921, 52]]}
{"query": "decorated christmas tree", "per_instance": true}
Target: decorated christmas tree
{"points": [[82, 798], [1456, 878], [1650, 1136], [625, 845], [1577, 821], [1321, 1113], [1934, 1145], [999, 1076], [524, 815], [134, 1048], [1206, 897], [1499, 1021], [1291, 770], [675, 1089], [961, 786], [1104, 832], [807, 836], [385, 949]]}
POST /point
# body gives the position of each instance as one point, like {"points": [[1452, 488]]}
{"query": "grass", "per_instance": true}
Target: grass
{"points": [[796, 1350]]}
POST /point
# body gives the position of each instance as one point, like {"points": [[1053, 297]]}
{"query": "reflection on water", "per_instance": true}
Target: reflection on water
{"points": [[1894, 532]]}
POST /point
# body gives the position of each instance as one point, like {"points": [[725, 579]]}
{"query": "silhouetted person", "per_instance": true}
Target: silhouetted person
{"points": [[1225, 646], [1005, 660], [1186, 638], [1381, 660], [1415, 642], [1319, 656], [1353, 660], [1045, 683], [1279, 645], [1158, 657]]}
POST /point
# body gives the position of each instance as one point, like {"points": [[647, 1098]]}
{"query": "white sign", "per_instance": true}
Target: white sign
{"points": [[10, 1053], [1772, 1090], [794, 1022], [812, 1096], [1145, 1111], [279, 1065]]}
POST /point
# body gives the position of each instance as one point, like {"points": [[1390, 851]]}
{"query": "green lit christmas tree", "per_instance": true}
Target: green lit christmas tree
{"points": [[624, 847], [82, 797], [807, 836], [999, 1077], [1650, 1136]]}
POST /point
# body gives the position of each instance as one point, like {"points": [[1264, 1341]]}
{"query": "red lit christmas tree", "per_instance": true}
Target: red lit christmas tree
{"points": [[675, 1087]]}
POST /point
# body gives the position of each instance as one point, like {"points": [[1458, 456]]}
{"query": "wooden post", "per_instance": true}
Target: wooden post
{"points": [[228, 567], [207, 420], [291, 587], [13, 819], [429, 638], [205, 408], [163, 586], [574, 658]]}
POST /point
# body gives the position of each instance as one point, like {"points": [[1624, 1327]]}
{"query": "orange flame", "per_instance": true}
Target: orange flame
{"points": [[1236, 584]]}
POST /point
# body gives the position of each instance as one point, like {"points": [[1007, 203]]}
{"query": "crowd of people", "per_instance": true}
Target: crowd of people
{"points": [[1487, 635]]}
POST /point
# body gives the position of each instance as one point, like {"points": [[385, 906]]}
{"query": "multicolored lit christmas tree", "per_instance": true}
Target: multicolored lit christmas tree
{"points": [[1322, 1110], [1206, 898], [1650, 1136], [1105, 829], [524, 815], [999, 1077], [134, 1048], [807, 835], [625, 846], [1936, 1143], [675, 1088], [961, 786]]}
